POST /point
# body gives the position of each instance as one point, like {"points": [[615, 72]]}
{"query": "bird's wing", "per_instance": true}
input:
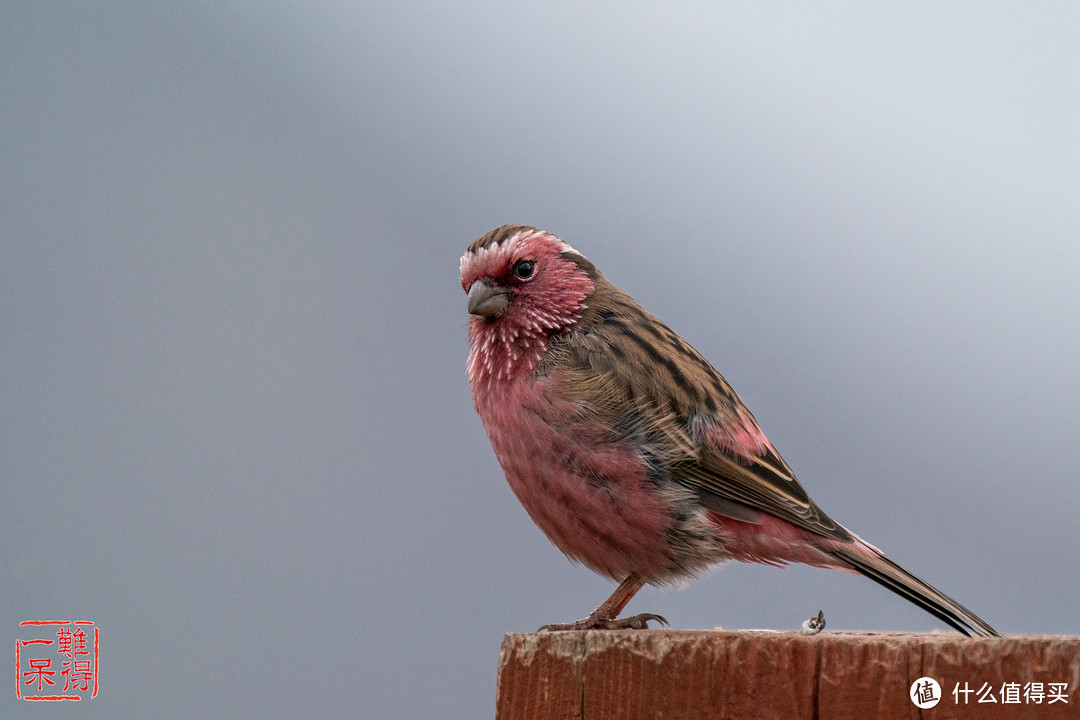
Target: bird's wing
{"points": [[630, 372]]}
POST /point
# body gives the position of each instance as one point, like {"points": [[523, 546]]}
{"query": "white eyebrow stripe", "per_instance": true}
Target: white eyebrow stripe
{"points": [[507, 248]]}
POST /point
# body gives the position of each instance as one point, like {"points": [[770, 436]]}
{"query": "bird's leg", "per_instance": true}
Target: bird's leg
{"points": [[605, 616]]}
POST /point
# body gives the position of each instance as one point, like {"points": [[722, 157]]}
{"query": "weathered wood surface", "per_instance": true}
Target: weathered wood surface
{"points": [[757, 674]]}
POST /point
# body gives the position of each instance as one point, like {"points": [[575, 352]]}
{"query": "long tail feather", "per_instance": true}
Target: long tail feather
{"points": [[884, 571]]}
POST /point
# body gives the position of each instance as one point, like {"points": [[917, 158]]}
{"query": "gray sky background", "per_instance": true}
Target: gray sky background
{"points": [[235, 428]]}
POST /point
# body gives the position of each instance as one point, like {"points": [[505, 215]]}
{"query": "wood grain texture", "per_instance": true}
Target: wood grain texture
{"points": [[718, 675]]}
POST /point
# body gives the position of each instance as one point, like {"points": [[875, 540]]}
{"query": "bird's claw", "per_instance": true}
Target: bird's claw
{"points": [[635, 622]]}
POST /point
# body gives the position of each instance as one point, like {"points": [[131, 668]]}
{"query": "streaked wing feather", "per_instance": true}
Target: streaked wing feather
{"points": [[631, 372], [759, 486]]}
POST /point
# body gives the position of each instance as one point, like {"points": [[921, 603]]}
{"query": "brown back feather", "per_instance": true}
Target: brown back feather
{"points": [[639, 378]]}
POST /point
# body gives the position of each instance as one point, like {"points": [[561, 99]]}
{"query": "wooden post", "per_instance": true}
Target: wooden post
{"points": [[719, 675]]}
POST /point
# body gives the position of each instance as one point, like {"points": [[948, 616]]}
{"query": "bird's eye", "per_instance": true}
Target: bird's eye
{"points": [[524, 269]]}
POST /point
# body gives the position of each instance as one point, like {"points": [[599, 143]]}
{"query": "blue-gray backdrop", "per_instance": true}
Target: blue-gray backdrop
{"points": [[235, 428]]}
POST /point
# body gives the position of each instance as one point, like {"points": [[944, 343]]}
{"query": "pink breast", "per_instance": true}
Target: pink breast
{"points": [[587, 491]]}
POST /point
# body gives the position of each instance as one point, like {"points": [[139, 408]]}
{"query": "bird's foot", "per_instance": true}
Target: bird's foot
{"points": [[597, 621]]}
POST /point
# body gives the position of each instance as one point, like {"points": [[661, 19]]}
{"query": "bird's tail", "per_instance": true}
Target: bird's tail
{"points": [[867, 561]]}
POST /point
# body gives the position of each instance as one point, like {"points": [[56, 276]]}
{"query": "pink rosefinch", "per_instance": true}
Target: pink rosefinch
{"points": [[626, 447]]}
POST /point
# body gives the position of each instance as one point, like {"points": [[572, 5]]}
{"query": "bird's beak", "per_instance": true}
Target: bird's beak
{"points": [[487, 300]]}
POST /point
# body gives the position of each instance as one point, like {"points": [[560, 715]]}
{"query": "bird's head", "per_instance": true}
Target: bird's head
{"points": [[522, 284]]}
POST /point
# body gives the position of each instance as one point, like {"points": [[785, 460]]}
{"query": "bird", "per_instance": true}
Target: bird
{"points": [[627, 448]]}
